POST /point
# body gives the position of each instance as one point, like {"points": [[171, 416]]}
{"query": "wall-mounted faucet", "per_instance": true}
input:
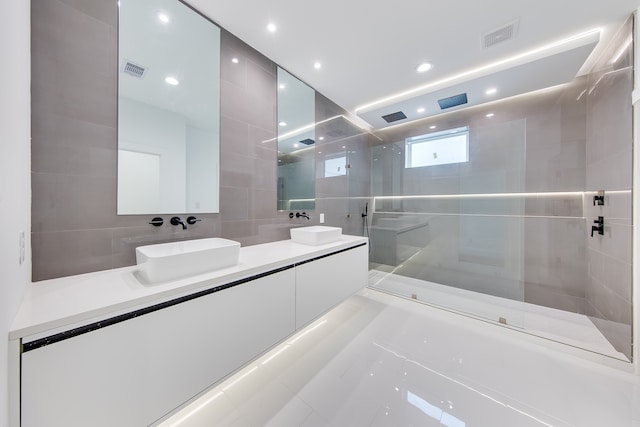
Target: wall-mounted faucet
{"points": [[177, 221], [302, 215], [599, 227]]}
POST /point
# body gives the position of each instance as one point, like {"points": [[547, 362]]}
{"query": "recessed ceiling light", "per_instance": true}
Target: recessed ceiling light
{"points": [[490, 115], [421, 110], [317, 65], [425, 66], [235, 60], [491, 91], [163, 17], [271, 27], [283, 124], [282, 86], [296, 145], [321, 138], [432, 127], [172, 81]]}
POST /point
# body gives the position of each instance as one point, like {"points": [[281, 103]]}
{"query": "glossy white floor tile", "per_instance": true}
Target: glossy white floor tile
{"points": [[557, 325], [379, 360]]}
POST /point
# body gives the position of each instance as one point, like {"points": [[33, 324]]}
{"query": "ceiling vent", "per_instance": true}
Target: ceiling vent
{"points": [[307, 141], [133, 69], [501, 34], [452, 101], [394, 117]]}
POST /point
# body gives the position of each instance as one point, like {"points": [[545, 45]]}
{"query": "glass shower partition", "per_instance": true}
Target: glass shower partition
{"points": [[529, 225]]}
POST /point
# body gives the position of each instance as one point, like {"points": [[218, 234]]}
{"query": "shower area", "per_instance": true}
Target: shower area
{"points": [[517, 212]]}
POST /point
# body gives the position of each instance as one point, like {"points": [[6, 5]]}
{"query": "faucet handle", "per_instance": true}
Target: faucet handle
{"points": [[157, 221], [192, 220]]}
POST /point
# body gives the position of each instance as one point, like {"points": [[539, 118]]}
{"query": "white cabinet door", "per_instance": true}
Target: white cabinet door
{"points": [[323, 283], [134, 372]]}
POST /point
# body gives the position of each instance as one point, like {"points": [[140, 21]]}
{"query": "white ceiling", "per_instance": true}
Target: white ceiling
{"points": [[187, 47], [369, 48]]}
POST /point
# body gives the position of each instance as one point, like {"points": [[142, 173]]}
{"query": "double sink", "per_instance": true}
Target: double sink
{"points": [[170, 261]]}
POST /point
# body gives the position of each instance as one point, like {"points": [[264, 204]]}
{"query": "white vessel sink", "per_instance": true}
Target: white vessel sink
{"points": [[169, 261], [316, 235]]}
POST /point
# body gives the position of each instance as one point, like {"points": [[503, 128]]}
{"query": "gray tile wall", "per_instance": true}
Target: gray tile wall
{"points": [[74, 146]]}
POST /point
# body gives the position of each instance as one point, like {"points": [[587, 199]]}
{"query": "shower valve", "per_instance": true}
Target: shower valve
{"points": [[599, 227], [599, 199]]}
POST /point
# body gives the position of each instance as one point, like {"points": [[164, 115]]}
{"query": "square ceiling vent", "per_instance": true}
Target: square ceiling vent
{"points": [[452, 101], [394, 117], [133, 69], [500, 34]]}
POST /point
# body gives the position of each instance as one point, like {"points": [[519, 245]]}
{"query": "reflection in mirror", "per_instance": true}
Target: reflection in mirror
{"points": [[296, 144], [168, 109]]}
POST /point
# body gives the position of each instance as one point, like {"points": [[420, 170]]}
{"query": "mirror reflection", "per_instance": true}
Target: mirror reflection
{"points": [[296, 143], [168, 109]]}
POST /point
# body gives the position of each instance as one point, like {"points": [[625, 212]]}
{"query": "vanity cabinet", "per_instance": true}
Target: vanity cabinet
{"points": [[131, 367], [323, 283], [134, 372]]}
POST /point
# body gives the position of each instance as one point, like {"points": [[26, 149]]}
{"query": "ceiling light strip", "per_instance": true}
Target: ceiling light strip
{"points": [[530, 55]]}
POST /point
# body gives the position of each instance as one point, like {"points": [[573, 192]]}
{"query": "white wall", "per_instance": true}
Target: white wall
{"points": [[147, 129], [203, 171], [15, 191]]}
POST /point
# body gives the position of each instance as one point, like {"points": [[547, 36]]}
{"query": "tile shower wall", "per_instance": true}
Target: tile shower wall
{"points": [[75, 228], [609, 167]]}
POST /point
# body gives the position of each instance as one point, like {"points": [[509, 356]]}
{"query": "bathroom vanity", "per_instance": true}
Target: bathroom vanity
{"points": [[105, 349]]}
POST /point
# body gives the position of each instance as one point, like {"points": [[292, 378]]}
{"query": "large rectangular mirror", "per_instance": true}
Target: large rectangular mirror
{"points": [[296, 144], [168, 109]]}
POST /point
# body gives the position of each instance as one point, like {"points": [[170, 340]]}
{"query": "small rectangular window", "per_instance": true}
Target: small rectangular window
{"points": [[335, 166], [437, 148]]}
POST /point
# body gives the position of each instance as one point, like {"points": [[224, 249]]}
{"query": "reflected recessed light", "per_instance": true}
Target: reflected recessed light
{"points": [[282, 124], [282, 86], [317, 65], [491, 91], [344, 146], [425, 66], [163, 17], [321, 138], [432, 127], [235, 60], [271, 27], [490, 115], [172, 81], [296, 145], [421, 110]]}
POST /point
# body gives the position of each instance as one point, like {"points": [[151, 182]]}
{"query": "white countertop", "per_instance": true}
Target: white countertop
{"points": [[55, 305]]}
